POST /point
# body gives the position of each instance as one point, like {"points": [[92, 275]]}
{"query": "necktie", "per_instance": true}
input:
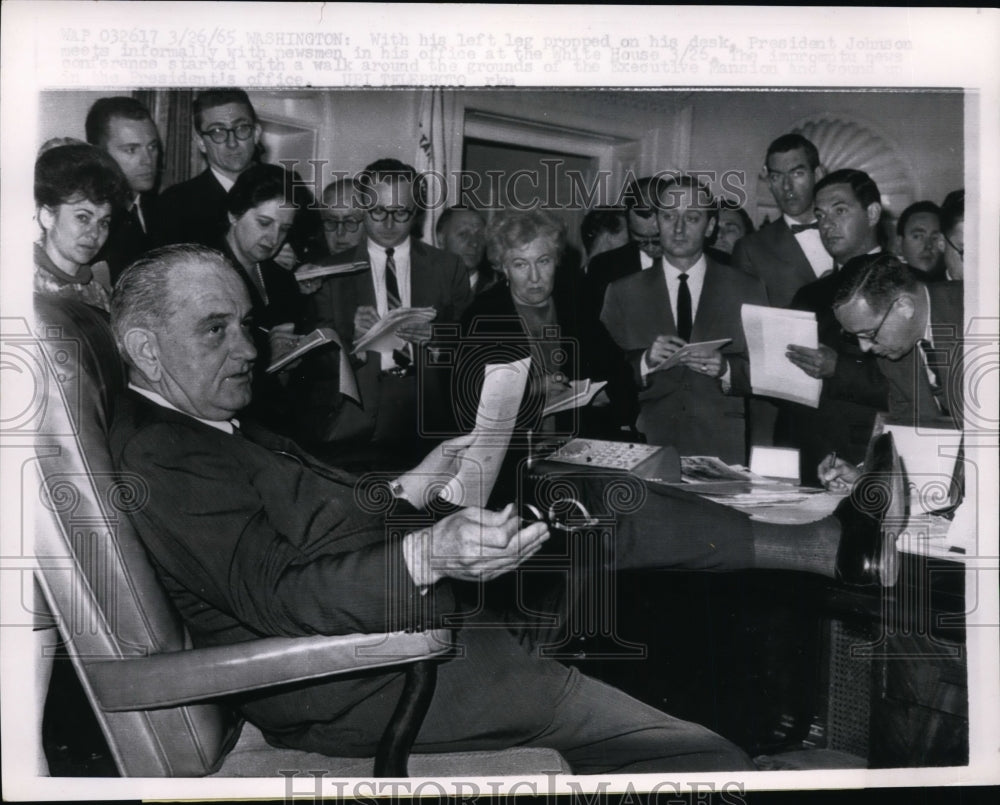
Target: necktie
{"points": [[402, 357], [135, 214], [796, 228], [933, 375], [684, 309], [392, 296]]}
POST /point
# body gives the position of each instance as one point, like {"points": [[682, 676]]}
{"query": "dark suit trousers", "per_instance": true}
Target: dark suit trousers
{"points": [[497, 695]]}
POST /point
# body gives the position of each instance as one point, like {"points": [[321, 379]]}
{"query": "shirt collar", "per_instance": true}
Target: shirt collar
{"points": [[225, 425], [792, 222], [221, 178], [698, 269], [43, 261], [927, 325], [397, 250]]}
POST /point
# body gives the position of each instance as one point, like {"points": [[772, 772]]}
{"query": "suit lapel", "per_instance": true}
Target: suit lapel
{"points": [[708, 303], [656, 291], [788, 249]]}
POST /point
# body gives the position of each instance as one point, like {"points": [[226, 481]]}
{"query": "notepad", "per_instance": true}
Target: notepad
{"points": [[311, 271], [383, 336]]}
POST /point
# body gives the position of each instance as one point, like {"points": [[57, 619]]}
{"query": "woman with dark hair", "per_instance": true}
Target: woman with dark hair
{"points": [[77, 189], [259, 222]]}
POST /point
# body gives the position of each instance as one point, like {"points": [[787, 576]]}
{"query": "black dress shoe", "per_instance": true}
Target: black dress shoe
{"points": [[871, 518]]}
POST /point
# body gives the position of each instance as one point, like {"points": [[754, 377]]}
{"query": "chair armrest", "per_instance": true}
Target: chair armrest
{"points": [[180, 677]]}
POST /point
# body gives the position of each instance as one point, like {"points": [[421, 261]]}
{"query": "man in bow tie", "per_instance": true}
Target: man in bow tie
{"points": [[787, 253]]}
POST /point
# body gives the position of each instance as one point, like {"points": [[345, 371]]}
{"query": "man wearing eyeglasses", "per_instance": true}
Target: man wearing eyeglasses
{"points": [[915, 330], [401, 272], [343, 223], [226, 131], [848, 206], [641, 252]]}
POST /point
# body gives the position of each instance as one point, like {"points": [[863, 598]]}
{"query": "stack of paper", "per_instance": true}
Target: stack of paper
{"points": [[578, 394], [769, 331], [382, 337]]}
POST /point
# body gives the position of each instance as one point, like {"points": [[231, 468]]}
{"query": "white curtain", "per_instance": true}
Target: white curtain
{"points": [[439, 151]]}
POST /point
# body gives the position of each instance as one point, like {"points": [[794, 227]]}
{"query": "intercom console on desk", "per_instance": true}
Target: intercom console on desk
{"points": [[649, 462]]}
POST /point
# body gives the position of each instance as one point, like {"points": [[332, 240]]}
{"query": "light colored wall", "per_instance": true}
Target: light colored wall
{"points": [[733, 130]]}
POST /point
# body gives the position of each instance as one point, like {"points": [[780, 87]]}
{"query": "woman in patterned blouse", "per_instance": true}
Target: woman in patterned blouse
{"points": [[77, 188]]}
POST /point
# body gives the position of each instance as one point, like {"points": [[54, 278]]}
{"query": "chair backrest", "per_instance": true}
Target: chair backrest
{"points": [[94, 571]]}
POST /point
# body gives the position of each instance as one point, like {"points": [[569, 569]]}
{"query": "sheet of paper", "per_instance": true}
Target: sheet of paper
{"points": [[928, 457], [698, 348], [499, 402], [578, 394], [769, 331], [382, 336], [310, 271]]}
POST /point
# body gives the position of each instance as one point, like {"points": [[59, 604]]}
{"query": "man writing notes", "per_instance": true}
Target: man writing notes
{"points": [[848, 206], [402, 272], [696, 406], [252, 536], [914, 329]]}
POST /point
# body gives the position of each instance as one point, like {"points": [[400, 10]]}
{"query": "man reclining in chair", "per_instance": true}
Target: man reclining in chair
{"points": [[253, 537]]}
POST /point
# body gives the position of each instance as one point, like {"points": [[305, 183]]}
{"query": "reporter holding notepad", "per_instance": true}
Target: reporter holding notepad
{"points": [[696, 406]]}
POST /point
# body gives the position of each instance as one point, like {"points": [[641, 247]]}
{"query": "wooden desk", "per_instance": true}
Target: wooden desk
{"points": [[778, 659]]}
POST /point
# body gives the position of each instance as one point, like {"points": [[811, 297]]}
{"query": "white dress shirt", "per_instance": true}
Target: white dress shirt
{"points": [[376, 257], [645, 260], [812, 246], [225, 425], [695, 282]]}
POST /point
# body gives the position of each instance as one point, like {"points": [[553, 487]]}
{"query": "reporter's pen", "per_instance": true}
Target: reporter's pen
{"points": [[264, 329]]}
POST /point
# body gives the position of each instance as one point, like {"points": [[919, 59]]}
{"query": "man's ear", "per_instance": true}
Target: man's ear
{"points": [[257, 132], [198, 141], [820, 171], [906, 306], [232, 218], [874, 212], [144, 352], [712, 223]]}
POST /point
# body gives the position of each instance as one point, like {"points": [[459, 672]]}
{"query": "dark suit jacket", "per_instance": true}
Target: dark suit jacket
{"points": [[609, 266], [678, 406], [388, 410], [845, 417], [193, 212], [773, 254], [251, 536], [911, 400], [127, 239]]}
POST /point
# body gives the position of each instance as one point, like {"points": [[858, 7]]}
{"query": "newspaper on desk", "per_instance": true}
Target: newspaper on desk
{"points": [[765, 499]]}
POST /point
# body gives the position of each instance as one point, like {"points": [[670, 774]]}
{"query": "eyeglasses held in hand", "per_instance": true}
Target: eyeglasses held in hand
{"points": [[400, 216], [219, 134]]}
